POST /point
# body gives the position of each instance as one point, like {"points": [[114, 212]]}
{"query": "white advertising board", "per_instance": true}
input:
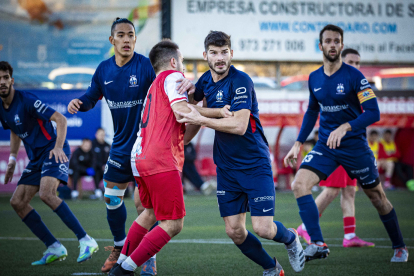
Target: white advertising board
{"points": [[381, 30]]}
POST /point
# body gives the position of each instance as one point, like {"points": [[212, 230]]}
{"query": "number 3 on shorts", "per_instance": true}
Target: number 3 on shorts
{"points": [[308, 158]]}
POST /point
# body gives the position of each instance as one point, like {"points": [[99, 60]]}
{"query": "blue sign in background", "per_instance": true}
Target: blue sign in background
{"points": [[80, 125]]}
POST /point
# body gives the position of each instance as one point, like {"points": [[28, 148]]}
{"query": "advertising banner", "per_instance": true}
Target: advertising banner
{"points": [[80, 125], [381, 30]]}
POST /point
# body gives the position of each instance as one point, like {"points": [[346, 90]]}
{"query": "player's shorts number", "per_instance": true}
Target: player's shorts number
{"points": [[308, 158]]}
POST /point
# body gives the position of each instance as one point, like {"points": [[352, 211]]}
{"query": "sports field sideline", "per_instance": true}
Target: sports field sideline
{"points": [[203, 248]]}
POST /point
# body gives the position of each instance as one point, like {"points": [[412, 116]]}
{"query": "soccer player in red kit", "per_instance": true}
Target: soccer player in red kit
{"points": [[157, 159]]}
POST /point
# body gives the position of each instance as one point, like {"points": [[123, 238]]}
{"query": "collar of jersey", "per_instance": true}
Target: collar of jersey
{"points": [[126, 64], [334, 74]]}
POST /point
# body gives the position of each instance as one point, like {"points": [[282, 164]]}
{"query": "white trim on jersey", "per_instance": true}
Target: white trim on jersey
{"points": [[170, 88]]}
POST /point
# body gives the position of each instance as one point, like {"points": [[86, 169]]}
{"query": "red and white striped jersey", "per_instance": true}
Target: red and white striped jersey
{"points": [[160, 143]]}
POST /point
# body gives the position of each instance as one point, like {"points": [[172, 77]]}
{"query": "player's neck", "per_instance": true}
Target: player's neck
{"points": [[7, 101], [329, 68], [121, 61], [217, 77]]}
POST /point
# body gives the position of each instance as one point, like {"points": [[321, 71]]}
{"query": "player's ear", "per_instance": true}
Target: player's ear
{"points": [[111, 40], [231, 53], [12, 81], [320, 46], [173, 63], [205, 55]]}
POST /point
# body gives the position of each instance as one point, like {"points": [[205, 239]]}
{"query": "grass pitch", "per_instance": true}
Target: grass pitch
{"points": [[203, 248]]}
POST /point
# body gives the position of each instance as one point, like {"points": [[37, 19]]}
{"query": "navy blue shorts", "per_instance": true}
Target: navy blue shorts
{"points": [[45, 167], [241, 191], [359, 162], [118, 168]]}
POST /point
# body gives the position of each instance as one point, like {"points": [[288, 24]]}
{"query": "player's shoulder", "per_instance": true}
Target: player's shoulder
{"points": [[237, 75], [316, 74], [205, 77], [352, 70], [26, 96]]}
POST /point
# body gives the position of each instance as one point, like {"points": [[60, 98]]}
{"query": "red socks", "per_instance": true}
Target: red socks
{"points": [[349, 225], [150, 245], [135, 235]]}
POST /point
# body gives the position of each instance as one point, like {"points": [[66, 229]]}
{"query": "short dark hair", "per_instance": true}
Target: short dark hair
{"points": [[349, 51], [119, 20], [217, 38], [99, 128], [388, 131], [333, 28], [162, 53], [86, 139], [5, 66], [373, 132]]}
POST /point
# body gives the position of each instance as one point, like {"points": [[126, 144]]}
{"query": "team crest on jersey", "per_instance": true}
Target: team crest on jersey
{"points": [[365, 94], [219, 96], [340, 89], [17, 120], [133, 82]]}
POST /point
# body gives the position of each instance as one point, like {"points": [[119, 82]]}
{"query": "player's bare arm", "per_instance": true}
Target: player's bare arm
{"points": [[74, 106], [234, 125], [292, 156], [14, 149], [335, 137], [185, 85], [61, 124]]}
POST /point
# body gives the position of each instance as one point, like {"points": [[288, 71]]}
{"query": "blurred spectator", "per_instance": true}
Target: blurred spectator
{"points": [[100, 150], [405, 166], [373, 142], [81, 164], [387, 157], [190, 171]]}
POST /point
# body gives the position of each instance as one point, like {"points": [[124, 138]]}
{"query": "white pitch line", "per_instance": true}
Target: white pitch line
{"points": [[203, 241], [87, 273]]}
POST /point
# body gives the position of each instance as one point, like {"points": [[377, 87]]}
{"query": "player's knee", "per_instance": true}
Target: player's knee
{"points": [[113, 197], [139, 207], [263, 232], [17, 204], [298, 186], [237, 234], [46, 196]]}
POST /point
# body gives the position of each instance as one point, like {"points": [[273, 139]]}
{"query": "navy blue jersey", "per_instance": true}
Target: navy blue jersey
{"points": [[124, 89], [29, 118], [338, 98], [233, 151]]}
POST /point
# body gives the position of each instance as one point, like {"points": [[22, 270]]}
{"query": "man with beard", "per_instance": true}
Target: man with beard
{"points": [[29, 120], [241, 153], [338, 91], [340, 181]]}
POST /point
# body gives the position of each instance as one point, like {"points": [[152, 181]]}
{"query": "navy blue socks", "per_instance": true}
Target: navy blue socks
{"points": [[390, 222], [116, 220], [254, 250], [283, 235], [36, 225], [309, 213], [70, 220]]}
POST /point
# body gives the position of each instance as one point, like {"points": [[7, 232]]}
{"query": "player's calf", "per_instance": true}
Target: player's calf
{"points": [[379, 199]]}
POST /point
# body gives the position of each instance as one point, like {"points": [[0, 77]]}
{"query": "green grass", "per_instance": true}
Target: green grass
{"points": [[203, 222]]}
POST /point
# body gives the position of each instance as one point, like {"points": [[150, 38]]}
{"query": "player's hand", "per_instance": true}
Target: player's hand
{"points": [[334, 140], [74, 106], [59, 154], [225, 111], [194, 117], [10, 171], [185, 85], [292, 156]]}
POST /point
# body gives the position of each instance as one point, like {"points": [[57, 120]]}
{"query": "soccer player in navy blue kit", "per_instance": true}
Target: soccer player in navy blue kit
{"points": [[241, 153], [29, 120], [123, 80], [337, 92]]}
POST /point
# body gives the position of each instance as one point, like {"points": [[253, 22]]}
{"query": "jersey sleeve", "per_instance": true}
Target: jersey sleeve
{"points": [[199, 90], [241, 94], [93, 93], [37, 108], [310, 117], [170, 88], [362, 88]]}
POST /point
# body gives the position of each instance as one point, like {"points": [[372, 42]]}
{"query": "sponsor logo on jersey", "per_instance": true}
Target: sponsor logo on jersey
{"points": [[124, 104], [47, 164], [333, 108], [364, 170], [365, 86], [63, 169], [241, 90], [266, 210], [340, 89], [108, 82], [133, 82], [316, 152], [317, 89], [41, 107], [27, 171], [263, 198], [17, 120], [219, 96], [114, 163], [372, 181], [240, 97], [221, 193], [364, 81], [24, 135]]}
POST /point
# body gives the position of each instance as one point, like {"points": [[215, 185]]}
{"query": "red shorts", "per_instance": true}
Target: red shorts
{"points": [[162, 192], [338, 179]]}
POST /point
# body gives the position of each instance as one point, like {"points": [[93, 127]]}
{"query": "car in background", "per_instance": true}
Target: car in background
{"points": [[264, 83], [295, 83], [394, 79]]}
